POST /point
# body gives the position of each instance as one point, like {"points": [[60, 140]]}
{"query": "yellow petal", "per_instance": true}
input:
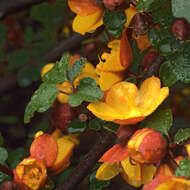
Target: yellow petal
{"points": [[133, 170], [150, 95], [62, 98], [103, 111], [107, 79], [83, 24], [107, 171], [111, 60], [148, 172], [46, 68], [121, 98], [130, 13]]}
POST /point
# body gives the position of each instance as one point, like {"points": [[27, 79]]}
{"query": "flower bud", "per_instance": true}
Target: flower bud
{"points": [[181, 29], [30, 174], [116, 4], [147, 146], [62, 115]]}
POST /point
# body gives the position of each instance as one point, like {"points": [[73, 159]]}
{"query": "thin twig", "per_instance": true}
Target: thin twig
{"points": [[90, 159], [8, 7], [6, 170]]}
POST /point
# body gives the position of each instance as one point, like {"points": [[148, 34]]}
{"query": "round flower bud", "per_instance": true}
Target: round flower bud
{"points": [[147, 146], [30, 174]]}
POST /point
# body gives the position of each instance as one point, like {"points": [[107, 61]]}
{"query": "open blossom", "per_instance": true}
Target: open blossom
{"points": [[126, 104], [30, 174], [117, 161]]}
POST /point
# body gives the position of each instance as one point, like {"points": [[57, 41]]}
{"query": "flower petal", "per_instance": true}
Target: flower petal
{"points": [[83, 7], [148, 172], [107, 171], [130, 13], [83, 24], [142, 42]]}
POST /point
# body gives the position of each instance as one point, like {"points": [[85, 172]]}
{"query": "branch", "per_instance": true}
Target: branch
{"points": [[90, 159], [6, 170], [66, 45], [11, 6]]}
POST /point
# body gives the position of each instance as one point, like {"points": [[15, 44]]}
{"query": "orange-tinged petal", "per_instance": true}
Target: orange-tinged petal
{"points": [[121, 98], [130, 13], [112, 61], [59, 170], [150, 95], [148, 172], [83, 24], [129, 121], [114, 154], [83, 7], [107, 79], [133, 170], [103, 111], [44, 148], [46, 68], [143, 42], [126, 54], [107, 171]]}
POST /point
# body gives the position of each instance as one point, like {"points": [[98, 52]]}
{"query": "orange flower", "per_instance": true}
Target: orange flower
{"points": [[125, 104], [113, 64], [89, 15], [141, 150], [164, 180], [30, 174], [116, 160]]}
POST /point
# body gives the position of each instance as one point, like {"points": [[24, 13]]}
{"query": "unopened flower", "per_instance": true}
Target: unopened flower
{"points": [[125, 104], [30, 174]]}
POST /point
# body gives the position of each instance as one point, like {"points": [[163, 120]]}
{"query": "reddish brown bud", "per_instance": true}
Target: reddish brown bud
{"points": [[181, 29], [8, 185], [83, 117], [148, 60], [124, 133], [62, 115], [147, 146], [116, 4]]}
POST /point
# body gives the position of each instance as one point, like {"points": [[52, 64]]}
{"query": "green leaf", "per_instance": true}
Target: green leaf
{"points": [[87, 91], [64, 175], [1, 139], [76, 126], [96, 184], [184, 168], [3, 155], [175, 69], [95, 124], [15, 157], [58, 73], [181, 135], [49, 185], [3, 30], [114, 22], [180, 8], [112, 127], [28, 35], [161, 120], [4, 177], [41, 100], [143, 4], [76, 68]]}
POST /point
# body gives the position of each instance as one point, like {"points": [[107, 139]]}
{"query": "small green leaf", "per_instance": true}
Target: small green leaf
{"points": [[143, 4], [3, 155], [49, 185], [4, 177], [87, 91], [41, 100], [76, 126], [15, 157], [184, 168], [114, 22], [112, 127], [76, 68], [1, 139], [180, 8], [161, 120], [58, 73], [96, 184], [95, 124], [175, 69], [181, 135]]}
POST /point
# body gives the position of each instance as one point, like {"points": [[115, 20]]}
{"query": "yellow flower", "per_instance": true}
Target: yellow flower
{"points": [[89, 15], [66, 88], [125, 104], [132, 172]]}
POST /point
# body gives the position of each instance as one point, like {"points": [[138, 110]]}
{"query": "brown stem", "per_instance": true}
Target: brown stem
{"points": [[11, 6], [6, 170], [90, 159]]}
